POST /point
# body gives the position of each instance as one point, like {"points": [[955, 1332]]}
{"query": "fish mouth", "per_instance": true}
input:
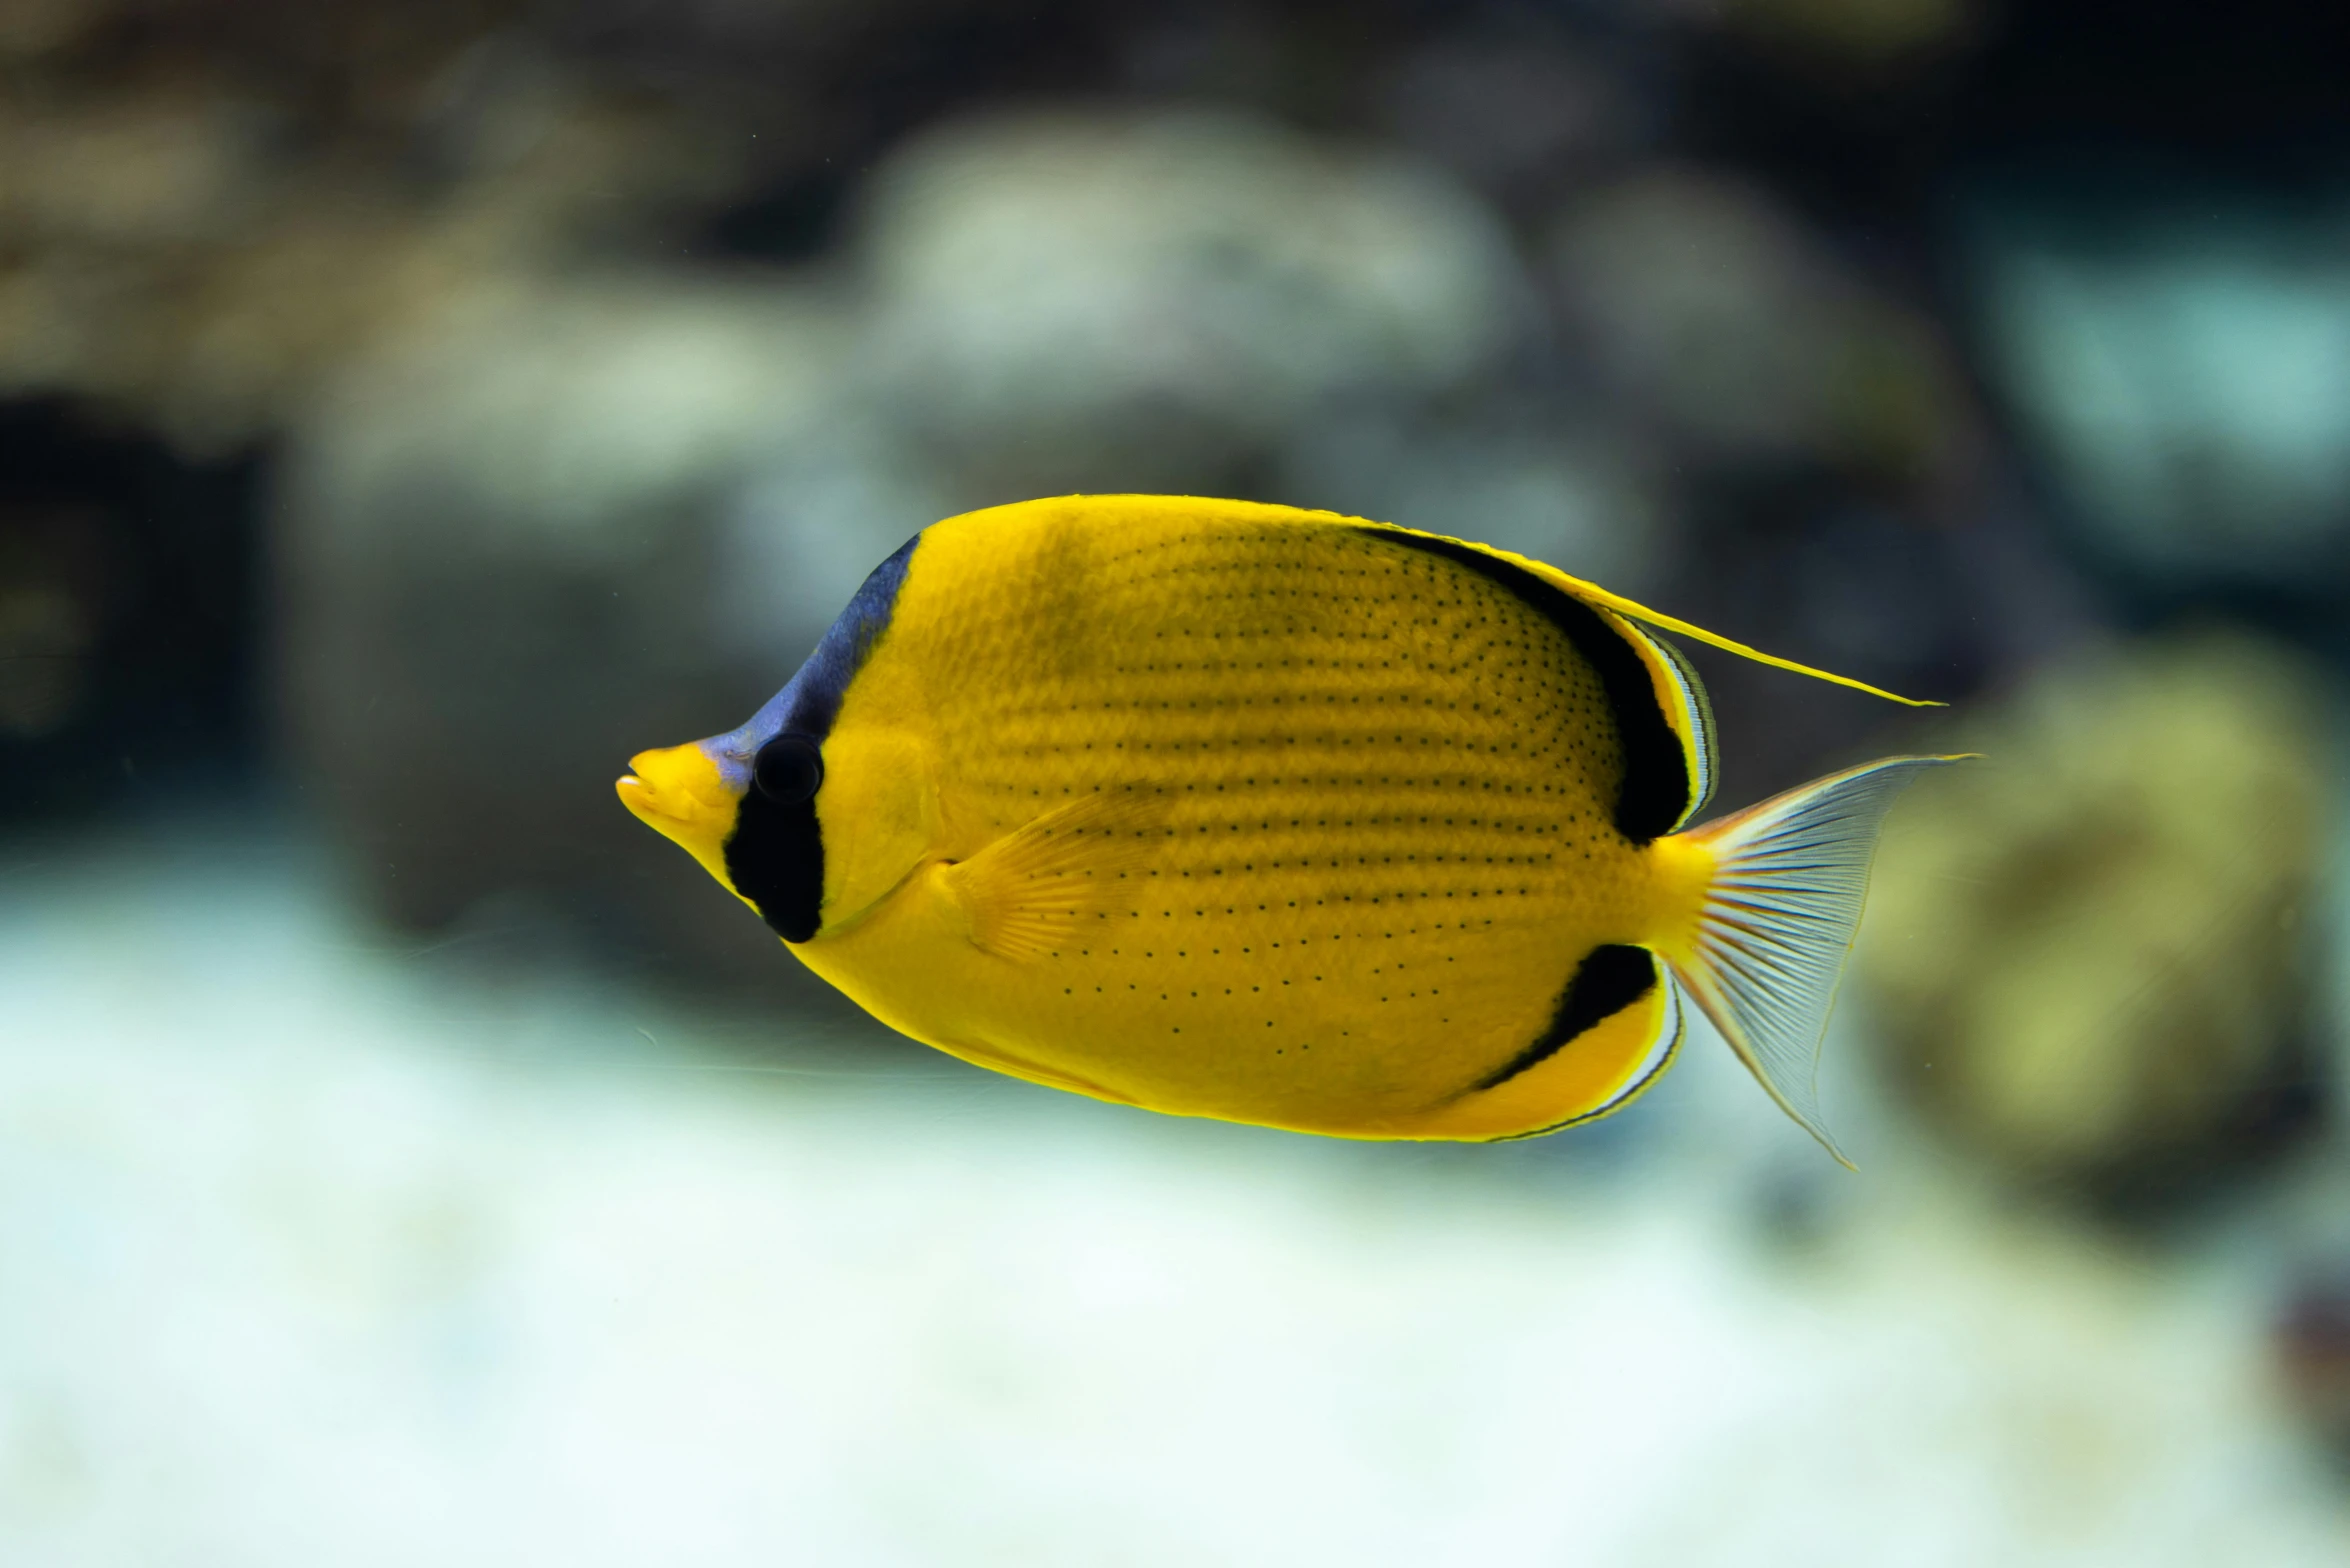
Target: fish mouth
{"points": [[640, 798], [654, 808], [678, 793]]}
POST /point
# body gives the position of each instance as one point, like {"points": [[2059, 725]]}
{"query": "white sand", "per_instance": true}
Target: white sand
{"points": [[317, 1252]]}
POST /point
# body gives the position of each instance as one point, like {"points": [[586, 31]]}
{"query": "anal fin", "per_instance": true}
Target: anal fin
{"points": [[1026, 895]]}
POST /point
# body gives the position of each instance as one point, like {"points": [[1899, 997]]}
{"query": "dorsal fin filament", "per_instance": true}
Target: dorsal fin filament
{"points": [[1592, 593]]}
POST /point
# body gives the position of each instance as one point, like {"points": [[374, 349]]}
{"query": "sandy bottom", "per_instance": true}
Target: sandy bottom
{"points": [[320, 1250]]}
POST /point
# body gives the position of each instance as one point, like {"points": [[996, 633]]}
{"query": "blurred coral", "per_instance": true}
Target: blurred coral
{"points": [[2310, 1347], [1089, 301], [1520, 115], [503, 570], [595, 349], [2176, 366], [2087, 952], [205, 207], [54, 602], [1854, 36], [1711, 305], [502, 386], [558, 520]]}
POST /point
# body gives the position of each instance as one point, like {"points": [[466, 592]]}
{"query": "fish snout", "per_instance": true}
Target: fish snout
{"points": [[674, 781], [677, 792]]}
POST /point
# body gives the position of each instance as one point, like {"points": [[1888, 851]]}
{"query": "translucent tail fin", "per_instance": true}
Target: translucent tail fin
{"points": [[1779, 918]]}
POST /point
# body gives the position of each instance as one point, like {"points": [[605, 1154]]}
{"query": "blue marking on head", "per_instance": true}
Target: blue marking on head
{"points": [[811, 701]]}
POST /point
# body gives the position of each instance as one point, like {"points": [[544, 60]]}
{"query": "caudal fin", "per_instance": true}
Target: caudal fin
{"points": [[1779, 919]]}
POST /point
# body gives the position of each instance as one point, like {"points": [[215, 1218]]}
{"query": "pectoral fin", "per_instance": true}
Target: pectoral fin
{"points": [[1028, 894]]}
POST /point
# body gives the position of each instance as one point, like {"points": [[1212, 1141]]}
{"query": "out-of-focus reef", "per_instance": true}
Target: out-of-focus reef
{"points": [[1708, 304], [2310, 1353], [501, 558], [128, 610], [2089, 954], [588, 353], [588, 499], [1080, 300], [207, 206], [2175, 352], [560, 519], [411, 408]]}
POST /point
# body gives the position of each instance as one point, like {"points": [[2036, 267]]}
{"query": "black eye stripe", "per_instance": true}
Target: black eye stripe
{"points": [[775, 858], [775, 855]]}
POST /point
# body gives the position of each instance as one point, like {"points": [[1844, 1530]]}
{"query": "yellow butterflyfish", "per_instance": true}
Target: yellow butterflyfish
{"points": [[1234, 810]]}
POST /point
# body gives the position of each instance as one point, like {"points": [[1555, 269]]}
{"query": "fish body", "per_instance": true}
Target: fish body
{"points": [[1281, 817]]}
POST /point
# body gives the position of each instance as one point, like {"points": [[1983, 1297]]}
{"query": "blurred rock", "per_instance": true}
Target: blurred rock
{"points": [[2087, 952], [510, 560], [1715, 310], [555, 523], [1146, 301], [127, 618], [2177, 364], [32, 28], [1525, 480], [1853, 38], [205, 207], [55, 595], [2310, 1350], [1518, 115], [145, 170]]}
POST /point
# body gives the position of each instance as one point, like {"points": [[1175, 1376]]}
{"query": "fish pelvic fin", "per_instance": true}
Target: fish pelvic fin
{"points": [[1778, 918], [1029, 894]]}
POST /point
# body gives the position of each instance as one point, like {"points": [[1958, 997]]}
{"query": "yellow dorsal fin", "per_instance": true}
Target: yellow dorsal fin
{"points": [[1592, 593], [1028, 894]]}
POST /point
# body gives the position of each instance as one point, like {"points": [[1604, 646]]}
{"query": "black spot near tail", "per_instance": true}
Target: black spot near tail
{"points": [[1609, 980]]}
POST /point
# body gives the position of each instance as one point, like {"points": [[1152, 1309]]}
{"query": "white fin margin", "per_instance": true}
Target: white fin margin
{"points": [[1663, 1046], [1698, 748], [1779, 919]]}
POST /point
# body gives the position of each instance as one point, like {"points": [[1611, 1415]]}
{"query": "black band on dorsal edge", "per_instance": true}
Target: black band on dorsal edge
{"points": [[1653, 796], [1608, 980]]}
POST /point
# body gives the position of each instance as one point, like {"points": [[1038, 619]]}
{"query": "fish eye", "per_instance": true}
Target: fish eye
{"points": [[789, 769]]}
